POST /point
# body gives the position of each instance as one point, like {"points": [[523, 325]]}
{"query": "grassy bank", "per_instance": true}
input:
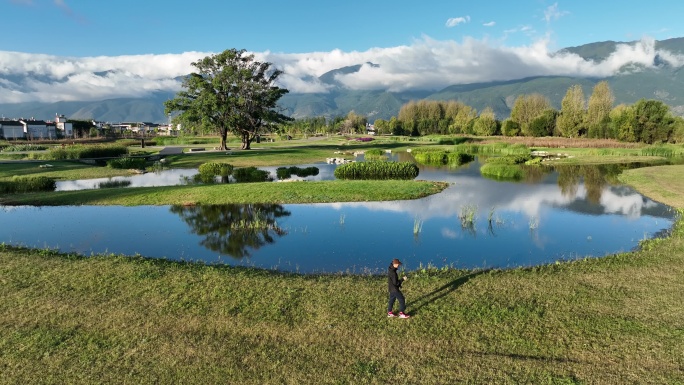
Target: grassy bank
{"points": [[110, 319], [267, 192], [59, 170]]}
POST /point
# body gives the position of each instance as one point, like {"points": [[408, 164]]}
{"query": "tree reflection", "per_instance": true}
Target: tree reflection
{"points": [[234, 229], [595, 177]]}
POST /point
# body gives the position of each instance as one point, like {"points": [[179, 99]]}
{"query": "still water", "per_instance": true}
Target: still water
{"points": [[553, 214]]}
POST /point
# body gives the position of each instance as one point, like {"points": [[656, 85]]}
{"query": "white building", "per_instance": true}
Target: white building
{"points": [[11, 129], [66, 129], [37, 129]]}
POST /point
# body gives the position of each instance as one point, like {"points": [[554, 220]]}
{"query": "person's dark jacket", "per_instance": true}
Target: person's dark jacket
{"points": [[393, 281]]}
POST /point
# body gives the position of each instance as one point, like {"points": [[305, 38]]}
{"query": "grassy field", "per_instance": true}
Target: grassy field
{"points": [[265, 192], [110, 319]]}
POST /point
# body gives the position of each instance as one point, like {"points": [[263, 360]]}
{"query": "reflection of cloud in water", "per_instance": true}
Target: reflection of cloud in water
{"points": [[450, 234], [630, 205], [529, 199], [150, 179]]}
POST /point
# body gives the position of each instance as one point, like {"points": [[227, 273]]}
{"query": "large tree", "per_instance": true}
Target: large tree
{"points": [[231, 92]]}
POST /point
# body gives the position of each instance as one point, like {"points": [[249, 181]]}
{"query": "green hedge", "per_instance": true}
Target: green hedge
{"points": [[27, 184], [377, 170]]}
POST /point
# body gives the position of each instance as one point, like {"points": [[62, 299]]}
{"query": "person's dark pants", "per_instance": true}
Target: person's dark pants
{"points": [[396, 295]]}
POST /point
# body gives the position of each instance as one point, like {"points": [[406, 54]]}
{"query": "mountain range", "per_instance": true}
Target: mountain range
{"points": [[661, 81]]}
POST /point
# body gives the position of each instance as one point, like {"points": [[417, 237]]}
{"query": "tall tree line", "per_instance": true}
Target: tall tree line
{"points": [[647, 121]]}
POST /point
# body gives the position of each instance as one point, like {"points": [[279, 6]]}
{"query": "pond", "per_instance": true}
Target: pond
{"points": [[553, 214]]}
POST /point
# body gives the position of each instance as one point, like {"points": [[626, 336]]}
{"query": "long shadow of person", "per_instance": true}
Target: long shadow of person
{"points": [[442, 291]]}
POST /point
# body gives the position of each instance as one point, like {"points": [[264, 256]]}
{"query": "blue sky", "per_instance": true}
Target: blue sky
{"points": [[129, 27], [53, 50]]}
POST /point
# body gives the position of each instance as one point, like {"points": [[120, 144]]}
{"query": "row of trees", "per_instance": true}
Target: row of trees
{"points": [[232, 92], [648, 121]]}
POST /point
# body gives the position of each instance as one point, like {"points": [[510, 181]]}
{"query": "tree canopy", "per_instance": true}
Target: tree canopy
{"points": [[230, 92]]}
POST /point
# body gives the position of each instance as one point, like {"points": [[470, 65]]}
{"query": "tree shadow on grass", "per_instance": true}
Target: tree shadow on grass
{"points": [[426, 299]]}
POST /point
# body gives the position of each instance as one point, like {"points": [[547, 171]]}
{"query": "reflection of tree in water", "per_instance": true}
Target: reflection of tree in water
{"points": [[596, 178], [234, 229]]}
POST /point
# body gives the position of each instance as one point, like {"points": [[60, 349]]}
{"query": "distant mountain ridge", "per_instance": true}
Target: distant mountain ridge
{"points": [[663, 82]]}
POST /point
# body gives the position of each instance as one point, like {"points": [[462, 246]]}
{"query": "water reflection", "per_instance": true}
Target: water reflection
{"points": [[553, 213], [234, 229]]}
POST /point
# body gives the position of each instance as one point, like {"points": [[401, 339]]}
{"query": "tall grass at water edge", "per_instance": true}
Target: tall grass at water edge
{"points": [[22, 184], [435, 156], [81, 152], [377, 170], [498, 148], [502, 171], [467, 215]]}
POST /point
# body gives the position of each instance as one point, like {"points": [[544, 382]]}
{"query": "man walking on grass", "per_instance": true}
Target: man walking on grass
{"points": [[394, 284]]}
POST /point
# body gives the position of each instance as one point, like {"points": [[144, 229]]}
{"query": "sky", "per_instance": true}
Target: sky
{"points": [[54, 50]]}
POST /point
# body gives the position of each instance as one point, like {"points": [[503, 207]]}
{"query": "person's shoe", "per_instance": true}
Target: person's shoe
{"points": [[390, 314], [403, 315]]}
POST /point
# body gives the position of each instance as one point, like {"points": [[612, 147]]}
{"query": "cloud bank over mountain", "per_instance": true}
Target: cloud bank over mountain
{"points": [[427, 64]]}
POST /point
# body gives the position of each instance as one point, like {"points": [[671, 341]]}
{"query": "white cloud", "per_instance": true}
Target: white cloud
{"points": [[553, 13], [425, 64], [454, 21], [490, 24]]}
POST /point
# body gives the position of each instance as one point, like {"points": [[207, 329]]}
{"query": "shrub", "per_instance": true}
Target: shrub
{"points": [[20, 185], [251, 174], [127, 163], [216, 169], [377, 170]]}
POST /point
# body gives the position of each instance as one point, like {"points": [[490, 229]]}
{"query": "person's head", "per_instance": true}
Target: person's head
{"points": [[396, 263]]}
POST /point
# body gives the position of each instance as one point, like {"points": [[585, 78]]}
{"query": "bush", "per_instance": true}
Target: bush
{"points": [[19, 185], [127, 163], [251, 174], [377, 170], [216, 169]]}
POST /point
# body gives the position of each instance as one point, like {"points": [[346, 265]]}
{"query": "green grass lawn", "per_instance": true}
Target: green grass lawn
{"points": [[265, 192]]}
